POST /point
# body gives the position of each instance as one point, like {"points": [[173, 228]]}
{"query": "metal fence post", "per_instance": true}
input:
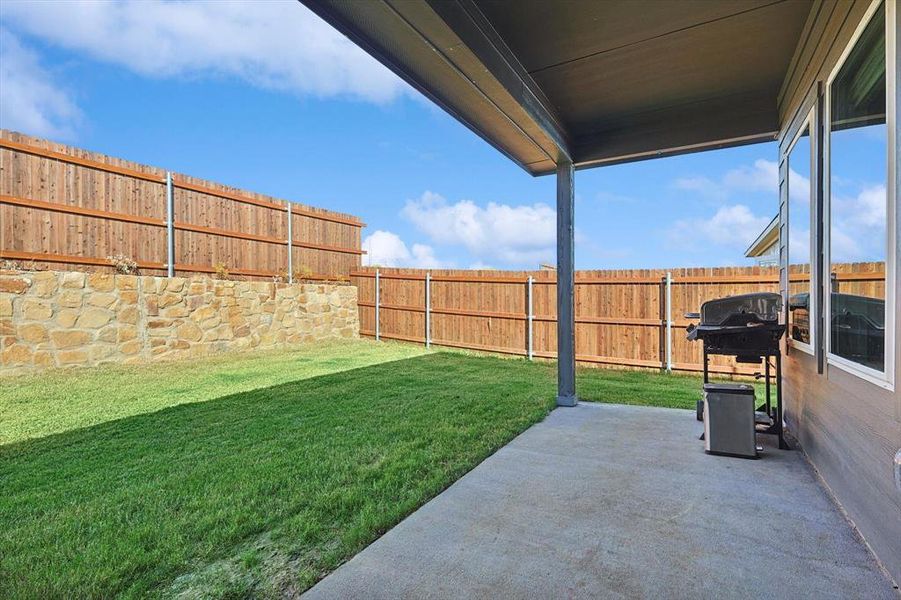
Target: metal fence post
{"points": [[530, 316], [428, 309], [170, 227], [661, 313], [290, 243], [669, 322], [377, 285]]}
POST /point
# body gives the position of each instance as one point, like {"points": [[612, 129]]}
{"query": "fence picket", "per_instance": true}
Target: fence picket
{"points": [[101, 206], [617, 323]]}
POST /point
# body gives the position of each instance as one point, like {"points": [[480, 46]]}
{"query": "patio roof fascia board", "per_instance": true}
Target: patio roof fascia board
{"points": [[693, 127], [624, 158], [467, 21], [514, 126]]}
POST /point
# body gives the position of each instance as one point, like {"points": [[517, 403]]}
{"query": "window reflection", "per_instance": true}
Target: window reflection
{"points": [[858, 209], [799, 238]]}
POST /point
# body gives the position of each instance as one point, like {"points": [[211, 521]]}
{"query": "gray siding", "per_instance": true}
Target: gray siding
{"points": [[849, 428]]}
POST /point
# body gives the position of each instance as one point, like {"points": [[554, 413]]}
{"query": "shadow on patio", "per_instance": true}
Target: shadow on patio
{"points": [[607, 501]]}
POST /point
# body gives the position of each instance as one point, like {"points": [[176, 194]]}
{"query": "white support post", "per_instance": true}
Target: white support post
{"points": [[170, 226], [428, 309], [669, 322], [377, 292], [530, 316], [290, 243]]}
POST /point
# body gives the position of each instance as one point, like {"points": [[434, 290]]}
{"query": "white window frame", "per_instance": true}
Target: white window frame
{"points": [[808, 124], [884, 379]]}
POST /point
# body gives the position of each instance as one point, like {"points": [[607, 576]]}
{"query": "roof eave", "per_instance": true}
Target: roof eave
{"points": [[449, 52], [499, 103], [767, 237]]}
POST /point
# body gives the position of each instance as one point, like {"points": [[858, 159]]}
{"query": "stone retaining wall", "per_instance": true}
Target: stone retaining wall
{"points": [[61, 319]]}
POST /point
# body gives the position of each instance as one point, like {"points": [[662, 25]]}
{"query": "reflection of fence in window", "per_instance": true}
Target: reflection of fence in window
{"points": [[799, 302], [858, 313], [858, 292], [859, 279], [857, 183], [799, 239]]}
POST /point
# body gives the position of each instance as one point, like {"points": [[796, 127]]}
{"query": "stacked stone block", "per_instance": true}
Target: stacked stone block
{"points": [[61, 319]]}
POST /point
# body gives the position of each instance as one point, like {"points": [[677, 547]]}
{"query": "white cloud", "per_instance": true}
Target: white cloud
{"points": [[30, 101], [799, 245], [869, 207], [515, 235], [859, 225], [798, 187], [703, 185], [844, 247], [423, 257], [274, 45], [386, 249], [858, 214], [732, 227], [762, 176]]}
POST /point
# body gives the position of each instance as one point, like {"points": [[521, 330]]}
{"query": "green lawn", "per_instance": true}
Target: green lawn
{"points": [[39, 406], [252, 475]]}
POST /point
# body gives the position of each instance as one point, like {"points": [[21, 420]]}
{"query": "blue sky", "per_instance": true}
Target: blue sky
{"points": [[269, 98]]}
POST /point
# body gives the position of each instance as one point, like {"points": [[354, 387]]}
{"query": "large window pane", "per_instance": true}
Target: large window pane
{"points": [[799, 239], [858, 210]]}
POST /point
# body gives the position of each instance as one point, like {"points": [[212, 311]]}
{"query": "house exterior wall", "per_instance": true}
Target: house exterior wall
{"points": [[769, 257], [849, 427]]}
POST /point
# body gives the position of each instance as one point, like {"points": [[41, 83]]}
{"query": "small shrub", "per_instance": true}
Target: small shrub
{"points": [[303, 272], [123, 264], [221, 270]]}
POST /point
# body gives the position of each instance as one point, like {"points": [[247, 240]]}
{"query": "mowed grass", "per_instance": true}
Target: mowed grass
{"points": [[256, 475], [36, 406]]}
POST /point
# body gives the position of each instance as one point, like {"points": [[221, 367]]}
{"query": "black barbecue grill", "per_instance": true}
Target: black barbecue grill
{"points": [[748, 328]]}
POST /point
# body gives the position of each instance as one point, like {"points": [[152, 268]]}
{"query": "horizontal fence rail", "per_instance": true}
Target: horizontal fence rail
{"points": [[64, 205], [623, 318]]}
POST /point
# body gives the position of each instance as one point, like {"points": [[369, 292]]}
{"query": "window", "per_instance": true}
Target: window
{"points": [[858, 203], [799, 241]]}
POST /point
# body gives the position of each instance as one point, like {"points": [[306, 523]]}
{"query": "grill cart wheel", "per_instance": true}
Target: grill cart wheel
{"points": [[700, 410]]}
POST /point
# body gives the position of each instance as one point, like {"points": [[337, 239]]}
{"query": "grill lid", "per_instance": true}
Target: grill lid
{"points": [[762, 307]]}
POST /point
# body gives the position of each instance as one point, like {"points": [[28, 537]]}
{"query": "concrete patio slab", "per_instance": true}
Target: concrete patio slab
{"points": [[619, 502]]}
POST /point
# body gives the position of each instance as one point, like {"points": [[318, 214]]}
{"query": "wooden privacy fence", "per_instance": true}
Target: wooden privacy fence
{"points": [[630, 318], [60, 204]]}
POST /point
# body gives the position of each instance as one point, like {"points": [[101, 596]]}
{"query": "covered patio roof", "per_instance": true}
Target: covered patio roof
{"points": [[590, 83], [561, 85]]}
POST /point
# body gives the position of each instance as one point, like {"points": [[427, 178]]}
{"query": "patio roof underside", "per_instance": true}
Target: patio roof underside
{"points": [[591, 82]]}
